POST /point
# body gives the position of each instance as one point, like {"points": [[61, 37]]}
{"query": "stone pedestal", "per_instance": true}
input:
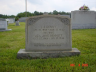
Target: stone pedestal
{"points": [[22, 54]]}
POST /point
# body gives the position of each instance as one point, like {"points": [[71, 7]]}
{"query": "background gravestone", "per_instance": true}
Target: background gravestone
{"points": [[22, 19], [3, 25], [17, 23], [82, 19], [11, 20], [48, 36], [66, 16], [7, 21], [2, 19], [45, 13]]}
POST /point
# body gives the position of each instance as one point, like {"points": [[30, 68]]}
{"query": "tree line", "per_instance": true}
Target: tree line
{"points": [[23, 14]]}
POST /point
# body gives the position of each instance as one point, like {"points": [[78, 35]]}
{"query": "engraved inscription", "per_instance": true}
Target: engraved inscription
{"points": [[47, 44], [48, 33]]}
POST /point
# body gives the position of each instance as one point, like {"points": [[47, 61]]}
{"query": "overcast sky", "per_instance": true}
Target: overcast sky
{"points": [[13, 7]]}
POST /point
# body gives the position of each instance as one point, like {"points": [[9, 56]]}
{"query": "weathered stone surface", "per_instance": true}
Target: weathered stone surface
{"points": [[47, 33], [22, 54]]}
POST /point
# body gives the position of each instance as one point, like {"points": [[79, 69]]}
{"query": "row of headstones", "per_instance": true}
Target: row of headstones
{"points": [[12, 20], [4, 24], [79, 19]]}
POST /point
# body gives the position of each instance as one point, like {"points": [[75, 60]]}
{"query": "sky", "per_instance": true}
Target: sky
{"points": [[13, 7]]}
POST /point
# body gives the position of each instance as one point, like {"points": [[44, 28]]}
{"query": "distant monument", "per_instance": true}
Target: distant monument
{"points": [[3, 25], [48, 36], [17, 23], [11, 20], [83, 19], [22, 19], [45, 13]]}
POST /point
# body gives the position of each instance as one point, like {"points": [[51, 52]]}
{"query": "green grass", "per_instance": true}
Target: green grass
{"points": [[12, 41]]}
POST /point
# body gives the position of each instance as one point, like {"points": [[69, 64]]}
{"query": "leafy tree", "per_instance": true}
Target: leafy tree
{"points": [[1, 15], [16, 18], [55, 12], [50, 13], [36, 13], [41, 13], [23, 14]]}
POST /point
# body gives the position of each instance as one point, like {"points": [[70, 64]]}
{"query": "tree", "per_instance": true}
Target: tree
{"points": [[36, 13], [23, 14], [16, 18], [55, 12], [40, 13]]}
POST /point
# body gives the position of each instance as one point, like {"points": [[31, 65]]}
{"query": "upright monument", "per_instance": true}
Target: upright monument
{"points": [[48, 36]]}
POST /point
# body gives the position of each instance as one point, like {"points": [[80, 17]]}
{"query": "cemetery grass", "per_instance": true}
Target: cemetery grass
{"points": [[12, 41]]}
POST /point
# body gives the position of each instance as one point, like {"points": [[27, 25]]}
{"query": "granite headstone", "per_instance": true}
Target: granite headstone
{"points": [[82, 19], [3, 25], [48, 36]]}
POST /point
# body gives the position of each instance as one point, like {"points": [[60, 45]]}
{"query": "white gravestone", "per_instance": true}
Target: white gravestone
{"points": [[48, 36], [83, 19], [3, 26], [22, 19], [7, 21], [17, 23], [11, 20]]}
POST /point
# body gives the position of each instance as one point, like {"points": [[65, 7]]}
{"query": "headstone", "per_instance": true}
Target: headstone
{"points": [[22, 19], [82, 19], [17, 23], [7, 21], [48, 36], [3, 26], [2, 19], [66, 16], [11, 20], [45, 13]]}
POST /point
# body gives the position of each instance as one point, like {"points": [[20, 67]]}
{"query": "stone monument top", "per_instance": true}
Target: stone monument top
{"points": [[45, 13]]}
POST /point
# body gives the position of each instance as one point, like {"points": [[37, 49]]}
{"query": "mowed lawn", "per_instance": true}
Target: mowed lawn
{"points": [[12, 41]]}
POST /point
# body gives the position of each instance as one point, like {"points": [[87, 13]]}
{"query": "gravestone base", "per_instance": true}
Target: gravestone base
{"points": [[6, 30], [17, 25], [22, 54]]}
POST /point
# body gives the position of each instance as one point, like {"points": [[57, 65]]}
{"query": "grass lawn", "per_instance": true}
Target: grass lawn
{"points": [[12, 41]]}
